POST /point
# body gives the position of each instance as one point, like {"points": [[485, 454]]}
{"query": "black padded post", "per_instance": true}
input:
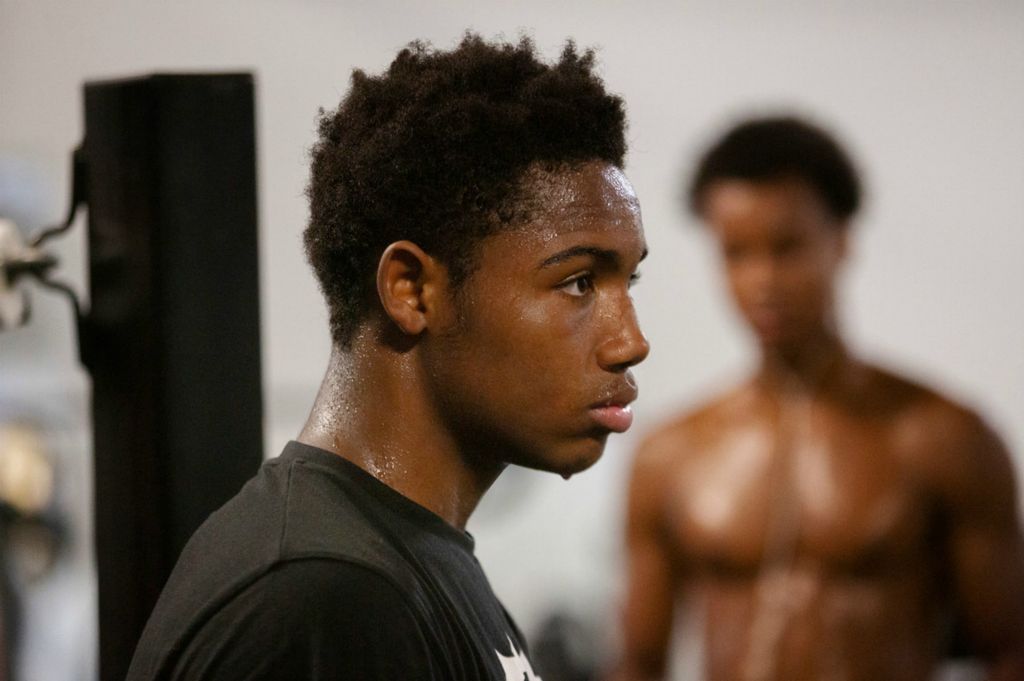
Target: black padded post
{"points": [[171, 337]]}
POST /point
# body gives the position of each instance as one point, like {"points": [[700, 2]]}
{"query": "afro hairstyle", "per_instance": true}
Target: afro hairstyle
{"points": [[435, 149]]}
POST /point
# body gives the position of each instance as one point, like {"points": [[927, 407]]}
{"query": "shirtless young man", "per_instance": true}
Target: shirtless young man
{"points": [[475, 239], [828, 516]]}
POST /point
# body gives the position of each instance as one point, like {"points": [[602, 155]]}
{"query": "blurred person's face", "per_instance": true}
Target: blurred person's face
{"points": [[536, 364], [782, 250]]}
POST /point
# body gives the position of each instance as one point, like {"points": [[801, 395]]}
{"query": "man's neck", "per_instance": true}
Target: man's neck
{"points": [[804, 367], [373, 411]]}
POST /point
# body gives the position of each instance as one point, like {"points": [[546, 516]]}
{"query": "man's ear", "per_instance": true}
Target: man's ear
{"points": [[409, 285]]}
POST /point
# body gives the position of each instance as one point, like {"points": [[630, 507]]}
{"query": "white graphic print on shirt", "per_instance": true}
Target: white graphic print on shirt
{"points": [[516, 666]]}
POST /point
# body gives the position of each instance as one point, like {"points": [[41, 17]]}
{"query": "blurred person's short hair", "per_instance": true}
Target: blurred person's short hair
{"points": [[778, 148]]}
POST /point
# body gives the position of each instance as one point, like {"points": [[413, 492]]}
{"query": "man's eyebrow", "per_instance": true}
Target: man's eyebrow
{"points": [[603, 254]]}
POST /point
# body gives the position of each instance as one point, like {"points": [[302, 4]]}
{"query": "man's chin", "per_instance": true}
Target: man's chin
{"points": [[567, 463], [582, 459]]}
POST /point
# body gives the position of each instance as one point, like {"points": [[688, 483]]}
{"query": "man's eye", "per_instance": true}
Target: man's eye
{"points": [[579, 286], [633, 278]]}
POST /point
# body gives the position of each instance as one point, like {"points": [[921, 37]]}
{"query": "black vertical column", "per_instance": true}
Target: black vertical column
{"points": [[172, 333]]}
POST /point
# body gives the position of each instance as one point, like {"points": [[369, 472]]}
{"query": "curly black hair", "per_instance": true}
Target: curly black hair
{"points": [[435, 151], [774, 148]]}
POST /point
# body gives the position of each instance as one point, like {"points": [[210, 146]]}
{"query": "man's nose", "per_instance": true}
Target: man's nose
{"points": [[626, 345], [764, 271]]}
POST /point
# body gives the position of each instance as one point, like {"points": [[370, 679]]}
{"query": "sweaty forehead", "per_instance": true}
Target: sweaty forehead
{"points": [[577, 197]]}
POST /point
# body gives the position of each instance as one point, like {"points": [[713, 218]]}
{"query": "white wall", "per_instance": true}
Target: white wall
{"points": [[928, 95]]}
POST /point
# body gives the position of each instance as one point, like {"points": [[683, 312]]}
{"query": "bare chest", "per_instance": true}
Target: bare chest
{"points": [[835, 494]]}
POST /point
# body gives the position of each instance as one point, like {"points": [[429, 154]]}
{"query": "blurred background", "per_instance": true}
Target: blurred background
{"points": [[927, 96]]}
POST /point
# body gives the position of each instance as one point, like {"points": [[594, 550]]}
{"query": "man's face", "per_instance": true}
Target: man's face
{"points": [[781, 250], [535, 369]]}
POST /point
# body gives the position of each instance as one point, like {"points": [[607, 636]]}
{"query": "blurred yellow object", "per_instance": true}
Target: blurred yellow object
{"points": [[26, 474]]}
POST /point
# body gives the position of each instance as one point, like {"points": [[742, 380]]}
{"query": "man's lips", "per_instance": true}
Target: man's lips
{"points": [[614, 413], [769, 320], [614, 417]]}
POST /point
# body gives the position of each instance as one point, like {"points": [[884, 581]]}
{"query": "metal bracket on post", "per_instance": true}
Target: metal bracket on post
{"points": [[20, 260]]}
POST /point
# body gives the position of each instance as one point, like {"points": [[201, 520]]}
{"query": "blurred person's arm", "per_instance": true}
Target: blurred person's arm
{"points": [[985, 542], [651, 580]]}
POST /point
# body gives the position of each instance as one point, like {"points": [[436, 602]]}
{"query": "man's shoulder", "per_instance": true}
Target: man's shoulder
{"points": [[295, 508], [292, 508], [923, 416], [294, 532], [949, 444]]}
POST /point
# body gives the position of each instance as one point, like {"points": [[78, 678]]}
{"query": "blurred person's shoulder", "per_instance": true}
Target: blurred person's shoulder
{"points": [[947, 443], [921, 415]]}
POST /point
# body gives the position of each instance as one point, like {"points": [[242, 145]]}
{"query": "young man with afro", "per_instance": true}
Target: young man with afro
{"points": [[827, 518], [475, 239]]}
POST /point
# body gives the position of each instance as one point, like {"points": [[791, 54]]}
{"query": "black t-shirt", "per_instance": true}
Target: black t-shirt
{"points": [[317, 570]]}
